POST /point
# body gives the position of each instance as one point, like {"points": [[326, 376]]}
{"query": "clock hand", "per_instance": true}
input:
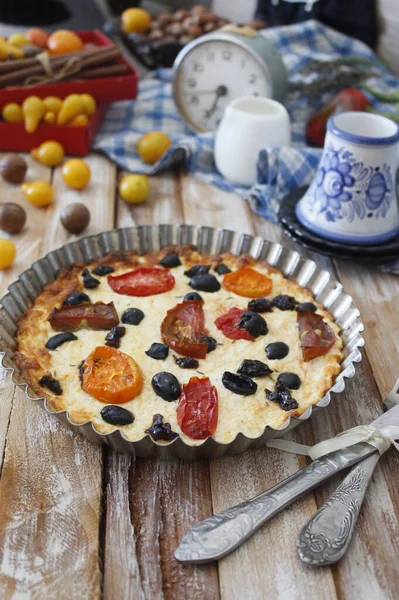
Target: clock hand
{"points": [[220, 91]]}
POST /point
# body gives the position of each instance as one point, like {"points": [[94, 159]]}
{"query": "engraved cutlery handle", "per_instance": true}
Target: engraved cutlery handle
{"points": [[325, 538], [218, 535]]}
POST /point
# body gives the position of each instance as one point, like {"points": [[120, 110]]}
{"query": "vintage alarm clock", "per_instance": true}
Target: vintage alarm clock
{"points": [[214, 69]]}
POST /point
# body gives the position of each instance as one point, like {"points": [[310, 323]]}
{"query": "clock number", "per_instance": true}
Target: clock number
{"points": [[227, 55], [255, 94], [253, 78], [191, 83], [198, 68], [194, 100], [210, 57]]}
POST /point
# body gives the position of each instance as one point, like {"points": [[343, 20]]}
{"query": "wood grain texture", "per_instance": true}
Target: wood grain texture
{"points": [[150, 503], [51, 482], [267, 565]]}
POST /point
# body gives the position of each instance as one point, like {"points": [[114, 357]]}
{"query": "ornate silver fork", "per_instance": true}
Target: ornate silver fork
{"points": [[326, 537]]}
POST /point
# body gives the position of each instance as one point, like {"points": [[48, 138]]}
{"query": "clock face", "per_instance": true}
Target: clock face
{"points": [[211, 75]]}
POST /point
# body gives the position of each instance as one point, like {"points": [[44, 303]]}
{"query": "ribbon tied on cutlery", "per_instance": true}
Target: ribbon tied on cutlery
{"points": [[382, 439]]}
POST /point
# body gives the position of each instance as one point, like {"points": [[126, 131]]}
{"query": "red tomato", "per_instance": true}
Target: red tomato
{"points": [[197, 411], [91, 316], [111, 376], [144, 281], [183, 327], [248, 282], [228, 325], [315, 335]]}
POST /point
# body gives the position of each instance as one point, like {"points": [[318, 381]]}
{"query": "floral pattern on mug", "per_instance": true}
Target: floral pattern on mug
{"points": [[347, 189]]}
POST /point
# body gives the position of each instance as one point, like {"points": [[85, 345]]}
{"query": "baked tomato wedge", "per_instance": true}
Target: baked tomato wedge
{"points": [[183, 327], [111, 376], [197, 411], [228, 325], [316, 336], [248, 282], [144, 281], [90, 316]]}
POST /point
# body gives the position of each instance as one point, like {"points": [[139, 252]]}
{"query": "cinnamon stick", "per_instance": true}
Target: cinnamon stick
{"points": [[105, 71], [94, 59]]}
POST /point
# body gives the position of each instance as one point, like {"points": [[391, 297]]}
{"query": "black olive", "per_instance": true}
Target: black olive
{"points": [[239, 384], [192, 296], [277, 350], [222, 269], [52, 384], [89, 282], [197, 270], [289, 380], [170, 260], [187, 362], [75, 298], [113, 337], [260, 305], [253, 323], [132, 316], [116, 415], [307, 306], [205, 283], [166, 385], [282, 396], [161, 431], [285, 302], [59, 339], [102, 270], [254, 368], [209, 341], [158, 351]]}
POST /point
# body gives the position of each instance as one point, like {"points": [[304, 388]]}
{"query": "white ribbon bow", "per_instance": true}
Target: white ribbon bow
{"points": [[382, 439]]}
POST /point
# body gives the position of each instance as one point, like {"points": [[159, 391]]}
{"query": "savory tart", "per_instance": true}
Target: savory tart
{"points": [[176, 343]]}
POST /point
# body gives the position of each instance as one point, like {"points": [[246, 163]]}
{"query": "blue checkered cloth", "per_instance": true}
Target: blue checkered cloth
{"points": [[283, 169]]}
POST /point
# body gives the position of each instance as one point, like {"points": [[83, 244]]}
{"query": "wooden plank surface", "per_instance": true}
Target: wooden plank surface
{"points": [[50, 489]]}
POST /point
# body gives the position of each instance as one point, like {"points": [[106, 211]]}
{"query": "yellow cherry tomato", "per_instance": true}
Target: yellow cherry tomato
{"points": [[12, 113], [3, 49], [135, 20], [152, 146], [53, 103], [76, 173], [15, 51], [33, 110], [63, 41], [49, 153], [71, 107], [38, 193], [49, 117], [89, 104], [18, 39], [8, 253], [79, 121], [134, 189]]}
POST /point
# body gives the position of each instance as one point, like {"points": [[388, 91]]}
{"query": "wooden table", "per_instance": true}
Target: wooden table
{"points": [[79, 521]]}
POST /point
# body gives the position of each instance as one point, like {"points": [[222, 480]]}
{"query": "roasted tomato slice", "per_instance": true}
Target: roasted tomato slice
{"points": [[248, 282], [111, 376], [228, 325], [197, 411], [183, 327], [89, 316], [144, 281], [315, 335]]}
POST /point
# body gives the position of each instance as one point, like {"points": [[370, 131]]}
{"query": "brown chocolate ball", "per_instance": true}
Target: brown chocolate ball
{"points": [[181, 14], [198, 9], [12, 217], [194, 30], [13, 168], [75, 217], [164, 18], [174, 29]]}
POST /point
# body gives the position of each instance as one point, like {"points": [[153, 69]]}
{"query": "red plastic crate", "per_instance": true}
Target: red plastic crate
{"points": [[104, 90], [75, 140]]}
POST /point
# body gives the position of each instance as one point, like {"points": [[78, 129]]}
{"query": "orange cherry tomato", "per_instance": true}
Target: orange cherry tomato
{"points": [[37, 37], [111, 376], [248, 282], [63, 41]]}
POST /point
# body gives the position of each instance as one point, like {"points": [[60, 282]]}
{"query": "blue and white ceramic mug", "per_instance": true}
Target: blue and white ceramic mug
{"points": [[353, 196]]}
